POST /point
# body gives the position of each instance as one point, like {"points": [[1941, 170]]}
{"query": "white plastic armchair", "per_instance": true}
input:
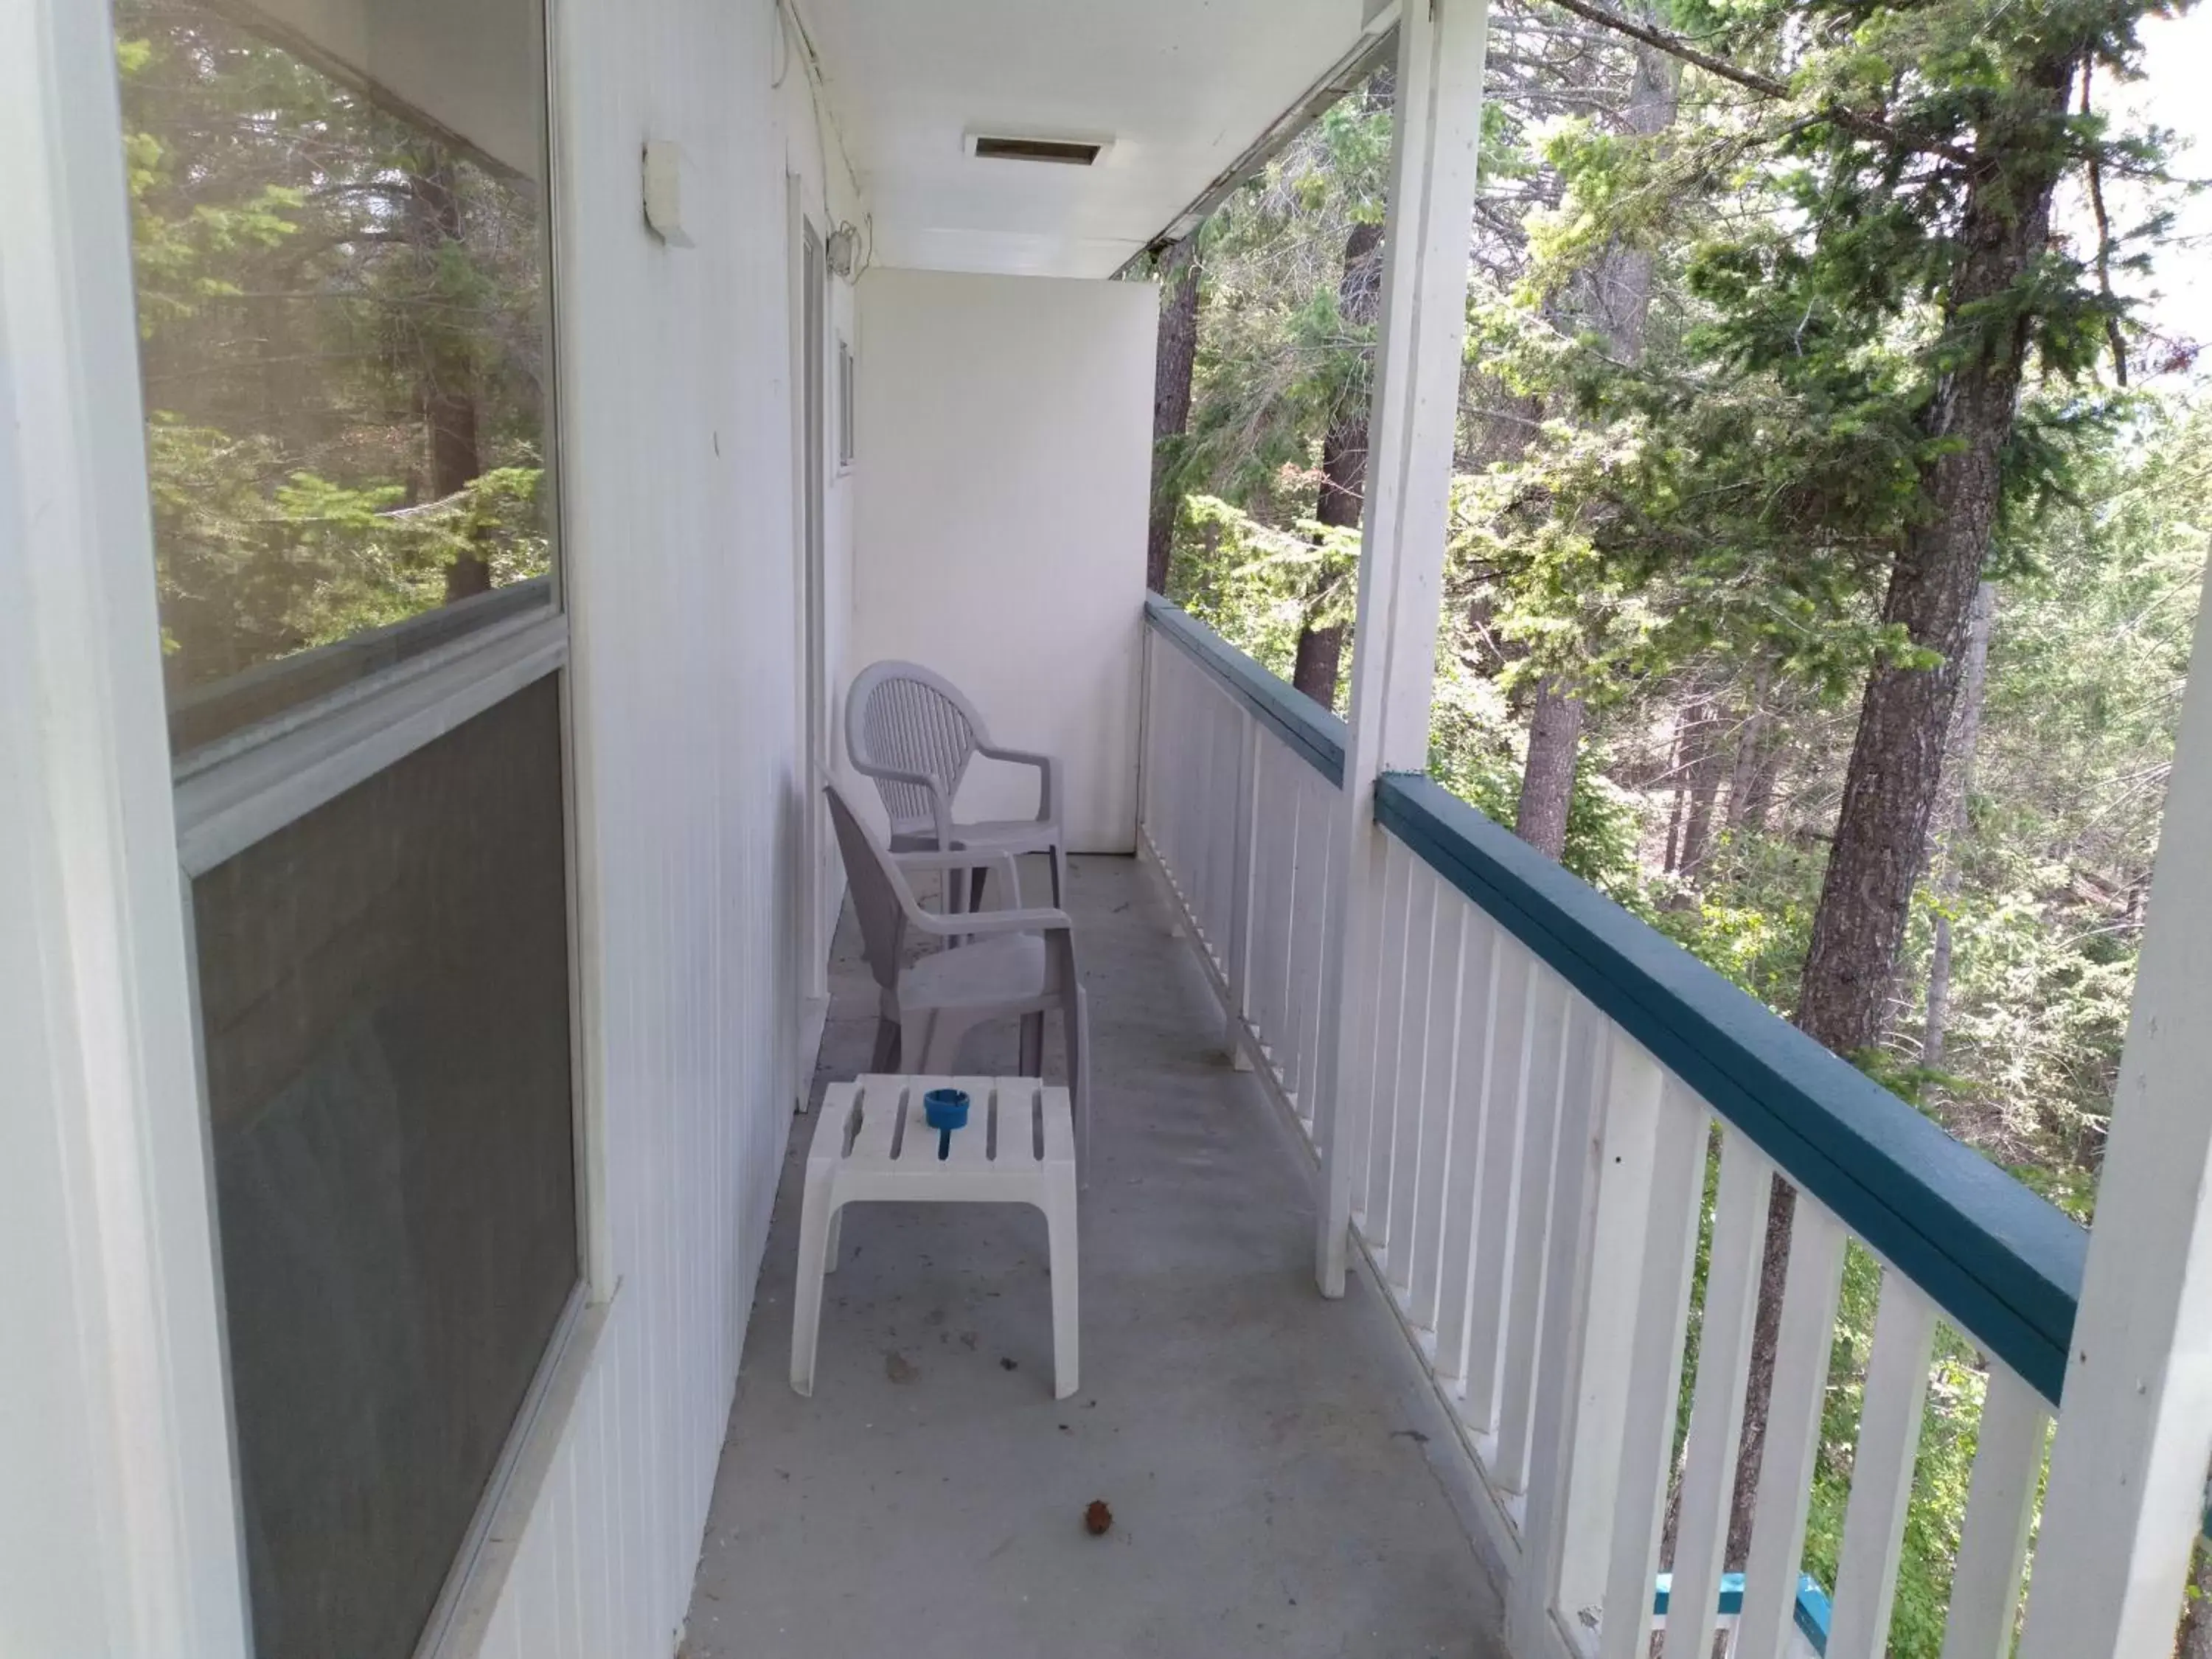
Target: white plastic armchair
{"points": [[1016, 964], [911, 731]]}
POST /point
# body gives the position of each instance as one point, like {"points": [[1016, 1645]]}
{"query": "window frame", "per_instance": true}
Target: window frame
{"points": [[236, 790]]}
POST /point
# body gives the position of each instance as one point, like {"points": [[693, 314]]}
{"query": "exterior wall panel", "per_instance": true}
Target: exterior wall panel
{"points": [[679, 541], [1006, 439]]}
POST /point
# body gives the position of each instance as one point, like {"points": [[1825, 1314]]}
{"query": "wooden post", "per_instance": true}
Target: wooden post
{"points": [[1414, 427], [2135, 1426]]}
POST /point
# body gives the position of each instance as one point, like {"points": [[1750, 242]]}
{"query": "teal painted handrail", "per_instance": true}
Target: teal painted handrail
{"points": [[1314, 733], [2002, 1263]]}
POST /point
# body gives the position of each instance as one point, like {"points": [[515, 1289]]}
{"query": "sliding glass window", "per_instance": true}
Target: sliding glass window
{"points": [[340, 226]]}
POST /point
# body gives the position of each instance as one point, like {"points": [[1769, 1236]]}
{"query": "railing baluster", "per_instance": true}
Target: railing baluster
{"points": [[1301, 945], [1236, 948], [1551, 1074], [1484, 946], [1792, 1446], [1326, 868], [1398, 1115], [1370, 1166], [1513, 1028], [1668, 1252], [1881, 1471], [1271, 899], [1438, 1096], [2000, 1507], [1576, 1432], [1716, 1402]]}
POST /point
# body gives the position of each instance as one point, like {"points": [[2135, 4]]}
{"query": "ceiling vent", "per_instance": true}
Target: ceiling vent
{"points": [[1062, 152]]}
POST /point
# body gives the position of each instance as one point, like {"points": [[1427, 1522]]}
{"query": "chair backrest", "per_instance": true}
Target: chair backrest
{"points": [[879, 891], [901, 716]]}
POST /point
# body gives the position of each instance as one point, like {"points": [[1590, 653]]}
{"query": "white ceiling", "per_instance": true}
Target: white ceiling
{"points": [[1181, 87]]}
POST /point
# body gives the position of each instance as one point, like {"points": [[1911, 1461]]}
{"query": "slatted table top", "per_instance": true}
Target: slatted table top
{"points": [[1018, 1127]]}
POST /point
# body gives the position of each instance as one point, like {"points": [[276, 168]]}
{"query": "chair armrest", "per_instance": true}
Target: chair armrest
{"points": [[986, 923], [969, 859], [952, 864], [1048, 768], [940, 803]]}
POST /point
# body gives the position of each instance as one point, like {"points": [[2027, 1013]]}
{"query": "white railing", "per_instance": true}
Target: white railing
{"points": [[1550, 1092], [1240, 813]]}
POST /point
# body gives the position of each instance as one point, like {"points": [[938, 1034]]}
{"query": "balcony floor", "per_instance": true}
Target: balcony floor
{"points": [[1282, 1478]]}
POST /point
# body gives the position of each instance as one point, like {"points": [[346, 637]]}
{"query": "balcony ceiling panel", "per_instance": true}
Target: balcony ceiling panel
{"points": [[1181, 88]]}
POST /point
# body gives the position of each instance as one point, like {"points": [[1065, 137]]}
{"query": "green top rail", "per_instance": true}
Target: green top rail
{"points": [[2002, 1263], [1313, 733]]}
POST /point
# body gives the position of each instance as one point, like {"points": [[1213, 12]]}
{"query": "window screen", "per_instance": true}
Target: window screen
{"points": [[385, 999]]}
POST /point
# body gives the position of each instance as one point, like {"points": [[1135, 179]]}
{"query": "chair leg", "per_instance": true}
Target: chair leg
{"points": [[886, 1056], [1077, 1017], [1032, 1053], [814, 1225], [1060, 1219], [1059, 878], [934, 1051], [836, 1237]]}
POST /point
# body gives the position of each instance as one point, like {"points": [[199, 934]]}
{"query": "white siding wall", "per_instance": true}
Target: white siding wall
{"points": [[1005, 435], [680, 548]]}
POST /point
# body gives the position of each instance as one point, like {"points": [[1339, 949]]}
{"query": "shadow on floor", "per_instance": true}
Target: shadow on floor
{"points": [[1281, 1479]]}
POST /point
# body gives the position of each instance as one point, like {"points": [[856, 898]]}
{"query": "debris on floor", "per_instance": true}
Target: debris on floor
{"points": [[1097, 1518]]}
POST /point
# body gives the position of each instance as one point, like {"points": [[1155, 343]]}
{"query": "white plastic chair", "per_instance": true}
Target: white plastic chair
{"points": [[912, 731], [1012, 964]]}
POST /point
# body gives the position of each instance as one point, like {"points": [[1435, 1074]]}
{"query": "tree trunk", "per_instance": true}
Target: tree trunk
{"points": [[1897, 759], [1343, 456], [1759, 799], [1750, 754], [1547, 779], [1676, 759], [1177, 352], [1622, 282], [1703, 783], [1962, 765], [445, 371]]}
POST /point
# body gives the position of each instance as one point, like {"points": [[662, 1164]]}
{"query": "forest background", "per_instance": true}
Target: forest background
{"points": [[1826, 538]]}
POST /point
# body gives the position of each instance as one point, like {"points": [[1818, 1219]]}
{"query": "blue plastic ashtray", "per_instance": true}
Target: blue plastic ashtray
{"points": [[945, 1110]]}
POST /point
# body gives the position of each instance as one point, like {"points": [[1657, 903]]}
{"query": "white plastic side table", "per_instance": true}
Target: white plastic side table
{"points": [[871, 1144]]}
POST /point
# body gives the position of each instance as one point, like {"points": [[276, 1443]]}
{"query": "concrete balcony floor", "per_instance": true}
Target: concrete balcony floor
{"points": [[1282, 1479]]}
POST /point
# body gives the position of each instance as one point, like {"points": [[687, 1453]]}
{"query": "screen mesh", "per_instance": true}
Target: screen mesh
{"points": [[385, 998]]}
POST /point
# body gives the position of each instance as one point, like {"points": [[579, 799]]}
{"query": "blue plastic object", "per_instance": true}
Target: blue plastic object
{"points": [[945, 1110]]}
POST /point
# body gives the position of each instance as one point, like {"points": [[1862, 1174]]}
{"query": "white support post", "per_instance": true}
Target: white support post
{"points": [[1414, 427], [118, 1528], [2135, 1427]]}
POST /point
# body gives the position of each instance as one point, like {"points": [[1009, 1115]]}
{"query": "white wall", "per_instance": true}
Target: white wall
{"points": [[1004, 448], [680, 542]]}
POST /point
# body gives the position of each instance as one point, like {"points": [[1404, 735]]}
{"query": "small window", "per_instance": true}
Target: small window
{"points": [[844, 406]]}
